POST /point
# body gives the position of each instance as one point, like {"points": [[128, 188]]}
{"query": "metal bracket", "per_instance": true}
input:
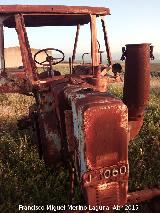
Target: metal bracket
{"points": [[123, 54], [151, 52]]}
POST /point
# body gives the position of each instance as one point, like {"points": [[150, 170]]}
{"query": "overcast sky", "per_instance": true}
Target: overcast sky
{"points": [[130, 22]]}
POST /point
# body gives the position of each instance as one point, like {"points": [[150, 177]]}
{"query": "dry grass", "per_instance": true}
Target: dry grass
{"points": [[25, 180]]}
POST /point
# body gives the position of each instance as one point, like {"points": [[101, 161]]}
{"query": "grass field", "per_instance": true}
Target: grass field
{"points": [[24, 179]]}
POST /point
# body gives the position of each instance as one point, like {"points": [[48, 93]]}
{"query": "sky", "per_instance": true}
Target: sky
{"points": [[130, 22]]}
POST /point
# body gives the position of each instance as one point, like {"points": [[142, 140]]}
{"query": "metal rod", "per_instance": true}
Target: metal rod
{"points": [[75, 44], [70, 65], [83, 57], [72, 179], [106, 42], [27, 59], [2, 60], [143, 195], [94, 46]]}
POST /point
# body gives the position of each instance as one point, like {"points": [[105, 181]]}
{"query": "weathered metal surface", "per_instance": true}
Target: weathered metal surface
{"points": [[137, 78], [100, 83], [101, 80], [43, 15], [14, 82], [135, 126], [106, 42], [136, 83], [90, 112], [48, 123], [82, 69], [61, 105], [69, 131], [143, 195], [50, 137], [102, 108], [52, 106], [9, 86], [54, 9], [44, 84], [28, 62]]}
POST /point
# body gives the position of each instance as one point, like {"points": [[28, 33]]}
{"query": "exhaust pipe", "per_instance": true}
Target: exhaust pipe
{"points": [[136, 83]]}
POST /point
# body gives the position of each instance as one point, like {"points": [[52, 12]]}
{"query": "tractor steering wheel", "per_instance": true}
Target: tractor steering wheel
{"points": [[50, 60]]}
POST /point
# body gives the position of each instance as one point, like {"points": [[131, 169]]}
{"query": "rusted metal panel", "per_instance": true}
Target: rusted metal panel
{"points": [[99, 120], [95, 109], [51, 139], [61, 105], [45, 84], [54, 9], [27, 59]]}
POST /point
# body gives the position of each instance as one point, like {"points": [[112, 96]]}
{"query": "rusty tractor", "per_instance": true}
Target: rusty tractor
{"points": [[78, 122]]}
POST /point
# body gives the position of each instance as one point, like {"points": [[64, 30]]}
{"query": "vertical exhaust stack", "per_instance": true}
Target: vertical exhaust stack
{"points": [[136, 83]]}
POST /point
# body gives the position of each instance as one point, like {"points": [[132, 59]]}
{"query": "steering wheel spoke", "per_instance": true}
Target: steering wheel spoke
{"points": [[43, 62], [56, 58], [46, 52]]}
